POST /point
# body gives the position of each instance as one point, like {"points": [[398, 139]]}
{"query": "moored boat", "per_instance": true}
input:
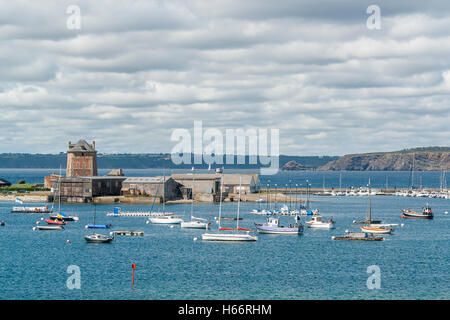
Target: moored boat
{"points": [[317, 223], [272, 226], [63, 217], [228, 237], [411, 214], [380, 230], [98, 226], [98, 238], [55, 221], [165, 220], [235, 235], [195, 223], [50, 227], [357, 236]]}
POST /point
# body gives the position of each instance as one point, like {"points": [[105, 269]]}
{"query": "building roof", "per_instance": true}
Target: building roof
{"points": [[196, 176], [227, 177], [146, 179], [82, 146]]}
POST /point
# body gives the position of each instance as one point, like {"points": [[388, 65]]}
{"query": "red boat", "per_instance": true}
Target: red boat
{"points": [[55, 221]]}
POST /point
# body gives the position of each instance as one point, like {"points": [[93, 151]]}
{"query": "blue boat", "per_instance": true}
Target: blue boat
{"points": [[272, 226], [98, 226]]}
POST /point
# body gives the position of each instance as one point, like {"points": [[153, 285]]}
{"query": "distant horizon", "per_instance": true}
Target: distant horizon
{"points": [[412, 149]]}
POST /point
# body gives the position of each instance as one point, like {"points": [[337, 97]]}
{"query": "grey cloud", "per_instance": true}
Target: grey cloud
{"points": [[137, 70]]}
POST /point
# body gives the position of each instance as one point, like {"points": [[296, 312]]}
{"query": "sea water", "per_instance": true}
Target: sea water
{"points": [[170, 264]]}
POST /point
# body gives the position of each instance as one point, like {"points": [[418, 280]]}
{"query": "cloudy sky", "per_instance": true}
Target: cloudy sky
{"points": [[137, 70]]}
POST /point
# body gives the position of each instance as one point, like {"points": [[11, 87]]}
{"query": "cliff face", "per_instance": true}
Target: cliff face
{"points": [[423, 161]]}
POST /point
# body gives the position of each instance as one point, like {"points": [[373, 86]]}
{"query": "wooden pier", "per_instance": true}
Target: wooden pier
{"points": [[132, 233]]}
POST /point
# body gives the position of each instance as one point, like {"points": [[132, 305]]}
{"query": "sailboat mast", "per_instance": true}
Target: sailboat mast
{"points": [[59, 190], [220, 200], [370, 205], [192, 195], [163, 193], [239, 203]]}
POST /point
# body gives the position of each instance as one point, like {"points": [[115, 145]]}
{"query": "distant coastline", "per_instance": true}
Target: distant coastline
{"points": [[142, 161], [416, 159]]}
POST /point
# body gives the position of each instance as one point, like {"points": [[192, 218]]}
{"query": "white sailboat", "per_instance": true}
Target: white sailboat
{"points": [[164, 217], [369, 228], [229, 236], [195, 223]]}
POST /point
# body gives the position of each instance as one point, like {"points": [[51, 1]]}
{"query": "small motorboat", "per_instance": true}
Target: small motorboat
{"points": [[411, 214], [2, 223], [64, 218], [98, 226], [165, 220], [272, 226], [55, 221], [98, 238], [317, 223], [50, 227], [357, 236]]}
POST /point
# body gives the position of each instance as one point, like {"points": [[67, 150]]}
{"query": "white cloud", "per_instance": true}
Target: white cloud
{"points": [[137, 70]]}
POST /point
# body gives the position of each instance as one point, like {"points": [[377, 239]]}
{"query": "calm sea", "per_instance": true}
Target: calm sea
{"points": [[414, 262]]}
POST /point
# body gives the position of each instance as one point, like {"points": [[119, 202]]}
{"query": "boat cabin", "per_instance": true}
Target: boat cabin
{"points": [[273, 221]]}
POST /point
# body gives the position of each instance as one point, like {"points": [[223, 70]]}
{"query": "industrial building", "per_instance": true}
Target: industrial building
{"points": [[84, 189], [164, 187], [82, 184]]}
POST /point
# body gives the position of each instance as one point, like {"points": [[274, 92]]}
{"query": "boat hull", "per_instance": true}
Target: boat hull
{"points": [[278, 230], [53, 227], [376, 230], [321, 225], [228, 237], [162, 220], [98, 239], [55, 222], [194, 225], [415, 215], [98, 226], [357, 239], [70, 218]]}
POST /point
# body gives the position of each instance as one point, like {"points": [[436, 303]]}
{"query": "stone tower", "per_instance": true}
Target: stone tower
{"points": [[81, 159]]}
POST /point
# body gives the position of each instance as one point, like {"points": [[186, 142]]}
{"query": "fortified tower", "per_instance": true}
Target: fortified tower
{"points": [[81, 159]]}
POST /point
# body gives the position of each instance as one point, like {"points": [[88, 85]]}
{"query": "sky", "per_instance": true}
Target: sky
{"points": [[128, 73]]}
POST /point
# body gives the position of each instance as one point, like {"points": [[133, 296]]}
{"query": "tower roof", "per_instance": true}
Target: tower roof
{"points": [[82, 146]]}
